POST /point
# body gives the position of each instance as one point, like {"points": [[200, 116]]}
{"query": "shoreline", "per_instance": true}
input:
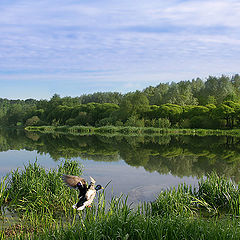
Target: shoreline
{"points": [[113, 130]]}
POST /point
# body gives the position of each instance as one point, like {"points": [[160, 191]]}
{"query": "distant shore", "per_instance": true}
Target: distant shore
{"points": [[89, 130]]}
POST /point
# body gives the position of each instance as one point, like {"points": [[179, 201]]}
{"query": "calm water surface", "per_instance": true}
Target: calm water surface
{"points": [[138, 166]]}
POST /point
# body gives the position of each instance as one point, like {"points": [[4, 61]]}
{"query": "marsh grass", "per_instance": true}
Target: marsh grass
{"points": [[128, 130], [213, 196], [175, 201], [117, 220], [44, 205], [147, 228], [220, 193], [37, 192], [3, 194]]}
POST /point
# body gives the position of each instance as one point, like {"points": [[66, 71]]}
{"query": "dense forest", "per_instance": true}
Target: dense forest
{"points": [[213, 103]]}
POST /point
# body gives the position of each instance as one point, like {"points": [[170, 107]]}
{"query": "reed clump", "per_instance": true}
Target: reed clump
{"points": [[40, 191], [220, 193], [213, 196]]}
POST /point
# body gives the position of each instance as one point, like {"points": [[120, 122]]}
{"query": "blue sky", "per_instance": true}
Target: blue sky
{"points": [[75, 47]]}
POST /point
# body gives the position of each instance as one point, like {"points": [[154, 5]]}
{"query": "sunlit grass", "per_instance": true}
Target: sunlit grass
{"points": [[44, 206], [214, 195], [129, 130], [37, 191], [220, 193], [3, 194]]}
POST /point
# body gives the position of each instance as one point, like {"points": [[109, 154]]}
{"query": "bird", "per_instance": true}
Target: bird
{"points": [[86, 193]]}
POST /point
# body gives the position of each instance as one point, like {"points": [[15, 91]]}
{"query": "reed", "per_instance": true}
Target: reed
{"points": [[149, 228], [43, 204], [175, 201], [116, 220], [34, 191], [220, 193], [3, 194], [214, 195]]}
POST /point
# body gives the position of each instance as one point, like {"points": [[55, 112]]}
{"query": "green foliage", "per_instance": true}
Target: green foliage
{"points": [[3, 194], [213, 103], [34, 120], [137, 226], [175, 214], [214, 195], [171, 111], [220, 194], [162, 123], [133, 104], [37, 190], [200, 122], [218, 88], [176, 202], [134, 122]]}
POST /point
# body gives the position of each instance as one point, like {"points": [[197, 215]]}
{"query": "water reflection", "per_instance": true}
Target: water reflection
{"points": [[179, 155]]}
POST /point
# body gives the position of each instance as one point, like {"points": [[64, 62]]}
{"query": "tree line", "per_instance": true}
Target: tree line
{"points": [[213, 103]]}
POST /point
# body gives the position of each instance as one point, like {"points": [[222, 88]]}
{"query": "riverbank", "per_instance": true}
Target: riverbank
{"points": [[112, 130], [43, 205]]}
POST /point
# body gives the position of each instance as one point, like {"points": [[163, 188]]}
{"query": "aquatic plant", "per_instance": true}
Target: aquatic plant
{"points": [[146, 227], [44, 204], [40, 191], [214, 195], [175, 201], [3, 193], [219, 193]]}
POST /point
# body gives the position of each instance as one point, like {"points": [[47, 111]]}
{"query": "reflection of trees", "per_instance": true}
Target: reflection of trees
{"points": [[179, 155]]}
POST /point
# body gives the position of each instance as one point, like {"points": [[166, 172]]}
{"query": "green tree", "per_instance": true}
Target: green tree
{"points": [[170, 111], [219, 88], [181, 94], [34, 120], [133, 104], [224, 112], [15, 114]]}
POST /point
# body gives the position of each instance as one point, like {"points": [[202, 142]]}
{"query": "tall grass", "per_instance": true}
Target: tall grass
{"points": [[175, 201], [116, 220], [44, 203], [3, 194], [220, 193], [34, 191], [147, 228], [214, 195]]}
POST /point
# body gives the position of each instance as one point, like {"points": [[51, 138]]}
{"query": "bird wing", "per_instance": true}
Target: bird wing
{"points": [[72, 181]]}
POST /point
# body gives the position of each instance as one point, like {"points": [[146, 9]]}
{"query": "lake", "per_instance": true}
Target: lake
{"points": [[140, 166]]}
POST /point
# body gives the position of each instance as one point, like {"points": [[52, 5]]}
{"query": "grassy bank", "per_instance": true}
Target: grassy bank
{"points": [[43, 204], [112, 130]]}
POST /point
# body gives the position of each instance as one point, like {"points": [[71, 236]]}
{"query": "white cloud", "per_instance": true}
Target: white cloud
{"points": [[141, 41], [201, 13]]}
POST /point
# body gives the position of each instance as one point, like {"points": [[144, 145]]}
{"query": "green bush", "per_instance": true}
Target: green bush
{"points": [[163, 123]]}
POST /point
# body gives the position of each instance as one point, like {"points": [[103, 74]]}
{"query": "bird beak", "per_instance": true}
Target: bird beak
{"points": [[102, 188]]}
